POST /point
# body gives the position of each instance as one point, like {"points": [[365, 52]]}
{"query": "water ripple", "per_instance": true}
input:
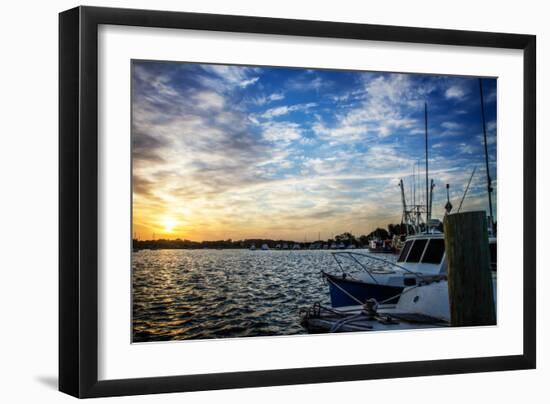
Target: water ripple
{"points": [[199, 294]]}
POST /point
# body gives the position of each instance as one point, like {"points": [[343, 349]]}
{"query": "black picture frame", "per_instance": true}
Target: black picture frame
{"points": [[78, 200]]}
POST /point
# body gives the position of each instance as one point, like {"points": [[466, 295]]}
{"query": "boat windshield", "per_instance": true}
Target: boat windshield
{"points": [[405, 251], [434, 251], [416, 250], [430, 251]]}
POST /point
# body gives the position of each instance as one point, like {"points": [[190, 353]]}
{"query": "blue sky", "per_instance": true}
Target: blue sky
{"points": [[241, 152]]}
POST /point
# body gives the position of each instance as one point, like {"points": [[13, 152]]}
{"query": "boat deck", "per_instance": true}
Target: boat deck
{"points": [[320, 319]]}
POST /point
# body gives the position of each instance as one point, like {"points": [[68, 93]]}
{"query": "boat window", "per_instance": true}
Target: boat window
{"points": [[417, 250], [405, 251], [434, 252]]}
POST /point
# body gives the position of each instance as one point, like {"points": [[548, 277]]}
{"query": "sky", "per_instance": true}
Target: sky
{"points": [[237, 152]]}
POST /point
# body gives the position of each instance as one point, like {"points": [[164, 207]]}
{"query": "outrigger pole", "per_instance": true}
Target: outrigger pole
{"points": [[466, 190], [426, 144], [489, 181]]}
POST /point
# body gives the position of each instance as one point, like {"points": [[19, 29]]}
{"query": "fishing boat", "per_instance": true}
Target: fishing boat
{"points": [[421, 306], [425, 305], [422, 259], [383, 279], [381, 247]]}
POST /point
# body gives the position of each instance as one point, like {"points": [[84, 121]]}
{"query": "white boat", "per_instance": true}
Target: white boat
{"points": [[252, 247], [381, 247], [421, 306], [296, 246], [265, 247], [421, 259]]}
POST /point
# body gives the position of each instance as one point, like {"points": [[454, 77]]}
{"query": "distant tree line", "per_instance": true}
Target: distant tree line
{"points": [[345, 238]]}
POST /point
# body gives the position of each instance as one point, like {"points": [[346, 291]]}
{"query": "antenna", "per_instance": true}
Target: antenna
{"points": [[414, 184], [466, 190], [489, 181], [432, 186], [405, 215], [426, 144]]}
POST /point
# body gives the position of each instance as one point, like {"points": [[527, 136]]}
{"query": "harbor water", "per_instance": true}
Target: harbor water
{"points": [[201, 294]]}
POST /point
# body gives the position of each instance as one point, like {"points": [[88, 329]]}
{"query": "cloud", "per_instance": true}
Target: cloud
{"points": [[283, 110], [262, 100], [450, 125], [382, 111], [214, 147], [208, 100], [246, 83], [466, 148], [278, 111], [454, 92], [341, 133], [308, 82], [284, 132], [227, 78]]}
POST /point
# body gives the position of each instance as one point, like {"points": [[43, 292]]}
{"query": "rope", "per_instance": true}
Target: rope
{"points": [[399, 294], [370, 257], [345, 291], [339, 324]]}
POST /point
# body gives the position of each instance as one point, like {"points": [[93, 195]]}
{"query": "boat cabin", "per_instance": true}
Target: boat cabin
{"points": [[426, 253]]}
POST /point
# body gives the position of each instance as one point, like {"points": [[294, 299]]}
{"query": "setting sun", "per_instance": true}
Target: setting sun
{"points": [[169, 224]]}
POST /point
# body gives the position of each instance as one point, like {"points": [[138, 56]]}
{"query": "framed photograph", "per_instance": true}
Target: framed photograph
{"points": [[250, 201]]}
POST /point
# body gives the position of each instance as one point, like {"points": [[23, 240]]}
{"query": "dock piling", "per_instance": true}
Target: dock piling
{"points": [[471, 300]]}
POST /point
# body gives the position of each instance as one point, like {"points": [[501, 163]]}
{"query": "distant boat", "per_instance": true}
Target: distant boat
{"points": [[285, 246], [278, 246], [381, 247], [252, 247], [265, 247], [296, 246]]}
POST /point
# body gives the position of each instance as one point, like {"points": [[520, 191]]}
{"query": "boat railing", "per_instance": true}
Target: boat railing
{"points": [[372, 263]]}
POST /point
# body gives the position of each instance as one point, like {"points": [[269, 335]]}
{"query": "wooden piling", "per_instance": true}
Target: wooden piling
{"points": [[470, 285]]}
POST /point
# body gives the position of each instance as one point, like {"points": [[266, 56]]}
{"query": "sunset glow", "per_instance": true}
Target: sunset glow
{"points": [[237, 152], [169, 224]]}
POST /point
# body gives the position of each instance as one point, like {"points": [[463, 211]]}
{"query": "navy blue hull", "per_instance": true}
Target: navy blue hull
{"points": [[361, 291]]}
